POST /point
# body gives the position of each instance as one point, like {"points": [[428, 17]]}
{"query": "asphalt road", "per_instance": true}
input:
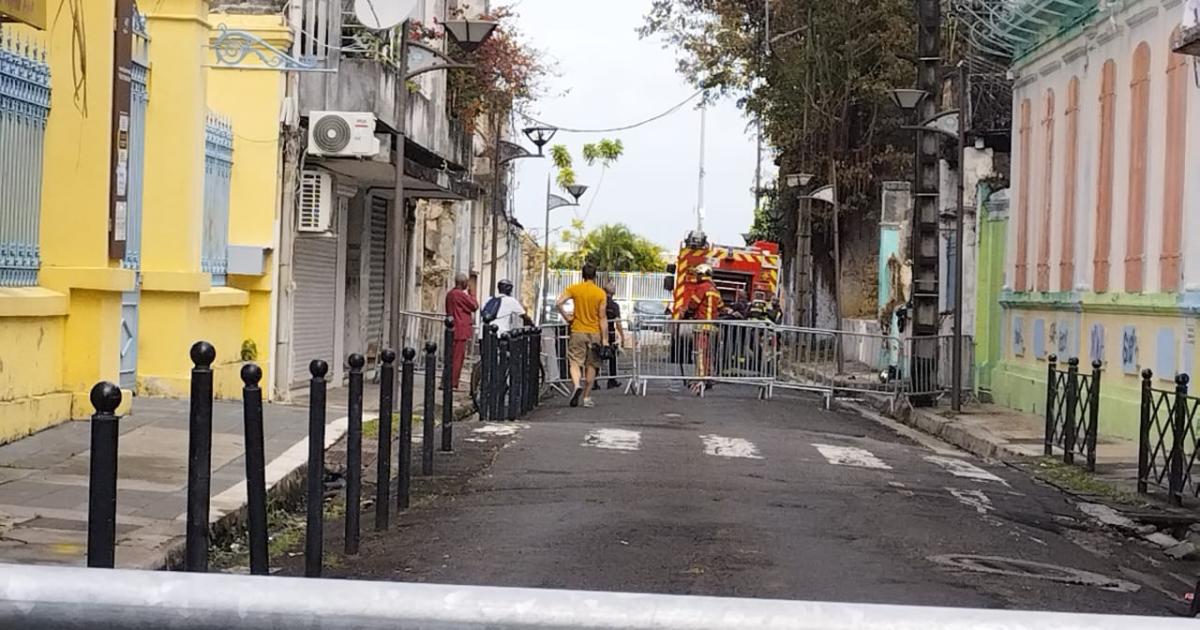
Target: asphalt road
{"points": [[733, 496]]}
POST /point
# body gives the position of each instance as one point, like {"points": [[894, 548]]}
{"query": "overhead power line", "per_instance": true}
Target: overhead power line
{"points": [[664, 114]]}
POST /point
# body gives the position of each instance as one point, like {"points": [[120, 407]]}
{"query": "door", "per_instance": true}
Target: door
{"points": [[376, 275], [133, 243], [313, 321]]}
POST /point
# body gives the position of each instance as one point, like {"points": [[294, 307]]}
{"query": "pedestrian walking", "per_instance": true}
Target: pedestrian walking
{"points": [[461, 307], [616, 333], [505, 310], [587, 319]]}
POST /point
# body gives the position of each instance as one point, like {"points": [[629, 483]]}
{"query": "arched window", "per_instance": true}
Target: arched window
{"points": [[1020, 282], [1139, 131], [1104, 175], [1047, 171], [1174, 165], [1066, 265]]}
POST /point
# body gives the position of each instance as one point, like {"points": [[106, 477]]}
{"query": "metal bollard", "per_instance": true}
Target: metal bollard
{"points": [[314, 533], [535, 368], [517, 376], [1144, 433], [383, 472], [102, 481], [354, 455], [1093, 415], [1051, 395], [1179, 426], [487, 356], [1072, 401], [427, 418], [448, 388], [500, 411], [199, 458], [404, 474], [256, 485]]}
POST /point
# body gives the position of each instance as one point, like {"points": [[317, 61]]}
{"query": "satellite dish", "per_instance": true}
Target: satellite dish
{"points": [[383, 14]]}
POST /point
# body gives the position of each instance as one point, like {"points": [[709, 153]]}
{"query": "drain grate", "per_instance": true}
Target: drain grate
{"points": [[996, 565]]}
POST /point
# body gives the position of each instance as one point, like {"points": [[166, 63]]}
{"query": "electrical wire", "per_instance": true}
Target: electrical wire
{"points": [[643, 123]]}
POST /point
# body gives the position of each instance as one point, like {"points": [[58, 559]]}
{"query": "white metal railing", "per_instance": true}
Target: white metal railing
{"points": [[24, 108], [218, 172], [42, 597]]}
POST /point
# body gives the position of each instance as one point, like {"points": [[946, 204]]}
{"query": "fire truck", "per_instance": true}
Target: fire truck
{"points": [[750, 273]]}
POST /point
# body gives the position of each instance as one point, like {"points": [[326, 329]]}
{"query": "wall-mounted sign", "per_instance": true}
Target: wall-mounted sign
{"points": [[118, 208], [31, 12]]}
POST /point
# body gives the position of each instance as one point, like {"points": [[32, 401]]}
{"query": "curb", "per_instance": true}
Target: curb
{"points": [[946, 430]]}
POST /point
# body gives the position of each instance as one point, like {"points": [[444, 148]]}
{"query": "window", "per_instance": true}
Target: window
{"points": [[25, 101], [1139, 130], [1066, 265], [1173, 172], [1024, 137], [218, 169], [1047, 170], [1104, 175]]}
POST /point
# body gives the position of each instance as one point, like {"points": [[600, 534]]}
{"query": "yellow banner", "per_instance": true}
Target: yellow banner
{"points": [[31, 12]]}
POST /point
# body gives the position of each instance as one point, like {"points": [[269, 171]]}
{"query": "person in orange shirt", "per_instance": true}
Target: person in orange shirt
{"points": [[704, 304], [587, 321]]}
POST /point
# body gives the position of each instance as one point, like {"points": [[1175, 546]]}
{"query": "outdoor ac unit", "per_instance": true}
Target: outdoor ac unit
{"points": [[316, 202], [342, 134]]}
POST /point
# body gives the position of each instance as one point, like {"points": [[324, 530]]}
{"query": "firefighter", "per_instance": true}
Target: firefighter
{"points": [[704, 304]]}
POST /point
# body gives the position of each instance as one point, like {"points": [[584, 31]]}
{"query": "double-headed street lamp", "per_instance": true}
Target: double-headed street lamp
{"points": [[950, 124], [829, 194], [802, 254], [552, 202], [505, 152]]}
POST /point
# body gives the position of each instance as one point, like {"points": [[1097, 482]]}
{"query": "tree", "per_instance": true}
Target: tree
{"points": [[505, 73], [612, 247]]}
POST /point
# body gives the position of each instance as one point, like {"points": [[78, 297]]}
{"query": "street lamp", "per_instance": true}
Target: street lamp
{"points": [[796, 180], [553, 201], [949, 124], [540, 136], [423, 59], [503, 153], [829, 194]]}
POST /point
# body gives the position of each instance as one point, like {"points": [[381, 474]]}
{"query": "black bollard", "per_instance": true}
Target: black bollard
{"points": [[430, 414], [199, 458], [404, 474], [516, 378], [535, 363], [383, 472], [102, 483], [448, 387], [487, 367], [500, 410], [314, 533], [354, 454], [256, 484]]}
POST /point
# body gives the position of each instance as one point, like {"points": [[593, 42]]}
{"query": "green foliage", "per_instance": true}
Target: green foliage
{"points": [[768, 225], [605, 151], [560, 156], [611, 247]]}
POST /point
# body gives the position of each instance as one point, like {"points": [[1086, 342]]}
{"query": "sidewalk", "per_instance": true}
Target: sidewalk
{"points": [[44, 480]]}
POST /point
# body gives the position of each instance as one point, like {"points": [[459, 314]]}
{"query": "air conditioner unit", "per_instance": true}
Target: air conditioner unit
{"points": [[342, 134], [316, 202]]}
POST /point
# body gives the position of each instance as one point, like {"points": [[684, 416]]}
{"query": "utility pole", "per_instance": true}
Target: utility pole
{"points": [[758, 170], [700, 185], [925, 233]]}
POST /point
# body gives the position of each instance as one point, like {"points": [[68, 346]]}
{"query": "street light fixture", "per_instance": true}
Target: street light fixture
{"points": [[576, 191], [503, 153], [908, 99], [469, 34], [540, 136], [796, 180]]}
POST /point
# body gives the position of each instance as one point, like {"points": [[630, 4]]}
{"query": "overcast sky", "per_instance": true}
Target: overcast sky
{"points": [[607, 77]]}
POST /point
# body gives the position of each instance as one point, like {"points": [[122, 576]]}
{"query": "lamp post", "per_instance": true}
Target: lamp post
{"points": [[802, 262], [416, 59], [950, 124], [553, 201], [503, 153]]}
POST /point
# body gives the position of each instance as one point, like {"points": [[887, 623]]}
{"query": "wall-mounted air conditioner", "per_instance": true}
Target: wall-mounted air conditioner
{"points": [[342, 134]]}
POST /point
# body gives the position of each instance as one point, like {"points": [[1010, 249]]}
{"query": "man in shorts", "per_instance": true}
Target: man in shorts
{"points": [[587, 320]]}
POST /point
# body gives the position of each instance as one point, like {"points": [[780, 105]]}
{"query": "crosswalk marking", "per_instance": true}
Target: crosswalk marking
{"points": [[973, 499], [963, 468], [851, 456], [729, 447], [614, 439]]}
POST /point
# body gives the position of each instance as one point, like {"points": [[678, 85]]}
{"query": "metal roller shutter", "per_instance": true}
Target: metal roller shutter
{"points": [[313, 325], [377, 272]]}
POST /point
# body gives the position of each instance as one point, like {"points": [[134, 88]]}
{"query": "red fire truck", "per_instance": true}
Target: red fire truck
{"points": [[751, 271]]}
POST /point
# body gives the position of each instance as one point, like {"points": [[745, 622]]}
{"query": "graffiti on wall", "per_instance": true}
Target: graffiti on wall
{"points": [[1018, 336], [1096, 343], [1129, 350]]}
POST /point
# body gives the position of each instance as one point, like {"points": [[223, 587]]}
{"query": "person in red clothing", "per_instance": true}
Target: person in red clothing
{"points": [[704, 304], [461, 306]]}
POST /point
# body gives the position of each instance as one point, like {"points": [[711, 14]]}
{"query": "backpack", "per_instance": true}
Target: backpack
{"points": [[491, 309]]}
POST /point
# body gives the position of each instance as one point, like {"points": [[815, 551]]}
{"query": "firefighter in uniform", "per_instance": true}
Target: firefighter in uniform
{"points": [[704, 304]]}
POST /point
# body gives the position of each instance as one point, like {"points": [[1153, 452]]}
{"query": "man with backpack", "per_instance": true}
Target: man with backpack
{"points": [[503, 309]]}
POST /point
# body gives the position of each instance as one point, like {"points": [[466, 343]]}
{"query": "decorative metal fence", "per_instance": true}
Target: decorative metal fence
{"points": [[1072, 410], [24, 108], [1167, 443], [218, 171], [140, 80]]}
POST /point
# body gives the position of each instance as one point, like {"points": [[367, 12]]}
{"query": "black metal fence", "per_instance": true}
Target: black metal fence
{"points": [[1167, 444], [513, 369], [1072, 411]]}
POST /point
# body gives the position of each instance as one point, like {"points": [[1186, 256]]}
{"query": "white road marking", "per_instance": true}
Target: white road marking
{"points": [[500, 429], [614, 439], [963, 468], [729, 447], [851, 456], [973, 499]]}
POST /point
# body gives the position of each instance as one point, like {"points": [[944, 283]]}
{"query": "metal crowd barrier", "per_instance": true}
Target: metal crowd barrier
{"points": [[44, 598], [554, 358], [704, 352], [418, 327]]}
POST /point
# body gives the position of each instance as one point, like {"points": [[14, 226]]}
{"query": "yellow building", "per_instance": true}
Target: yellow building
{"points": [[115, 259]]}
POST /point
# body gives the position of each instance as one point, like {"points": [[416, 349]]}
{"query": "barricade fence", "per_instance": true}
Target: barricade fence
{"points": [[1072, 410], [1167, 439]]}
